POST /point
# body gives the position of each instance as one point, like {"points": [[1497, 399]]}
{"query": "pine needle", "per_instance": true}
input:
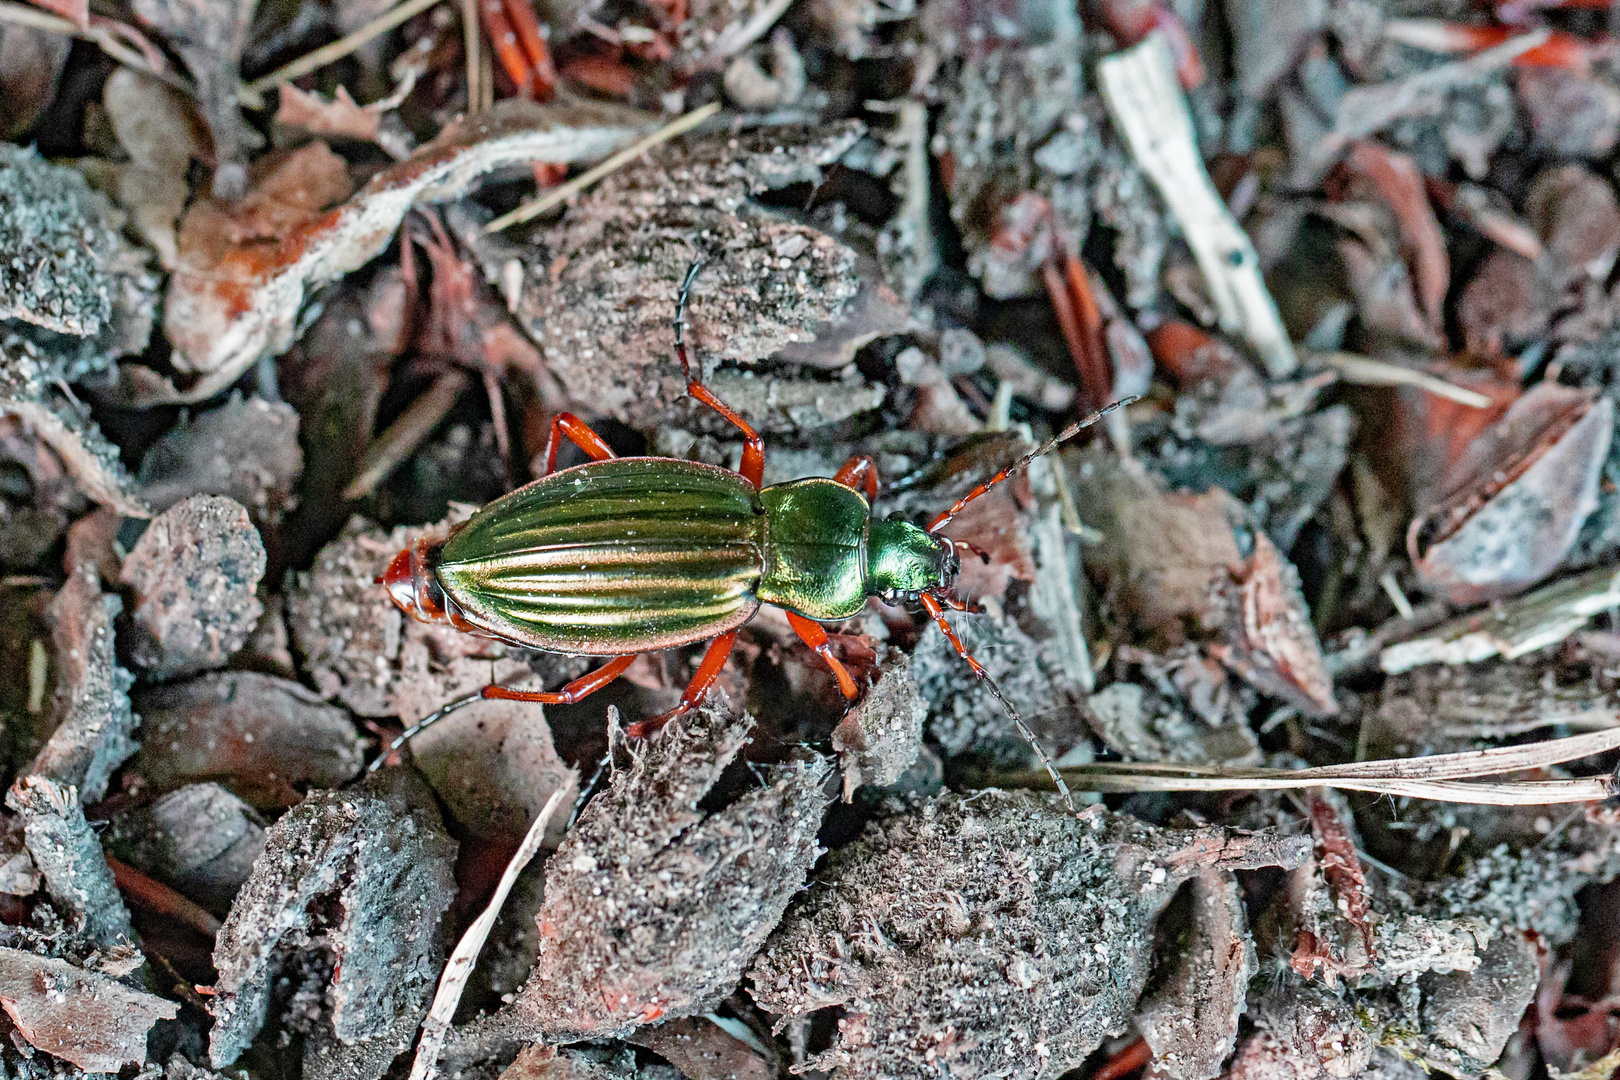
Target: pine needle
{"points": [[563, 192], [1440, 777]]}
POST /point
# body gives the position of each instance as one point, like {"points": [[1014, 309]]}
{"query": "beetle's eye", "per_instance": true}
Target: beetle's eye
{"points": [[895, 515]]}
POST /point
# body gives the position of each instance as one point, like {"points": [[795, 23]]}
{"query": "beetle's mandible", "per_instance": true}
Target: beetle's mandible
{"points": [[621, 556]]}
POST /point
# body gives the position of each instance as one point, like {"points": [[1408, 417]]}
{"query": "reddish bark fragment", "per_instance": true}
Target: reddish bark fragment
{"points": [[1401, 185], [95, 1022]]}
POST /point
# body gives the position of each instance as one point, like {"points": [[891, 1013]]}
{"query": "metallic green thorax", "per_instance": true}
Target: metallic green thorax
{"points": [[816, 538], [634, 554]]}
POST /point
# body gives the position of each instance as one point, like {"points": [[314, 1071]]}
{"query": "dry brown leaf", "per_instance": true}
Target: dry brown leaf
{"points": [[209, 36], [229, 304], [77, 10], [318, 116], [1268, 636], [1174, 561], [31, 62], [156, 128], [1400, 183]]}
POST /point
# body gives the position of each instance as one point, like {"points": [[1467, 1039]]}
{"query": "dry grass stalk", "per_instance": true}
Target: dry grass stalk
{"points": [[563, 192], [1441, 777], [456, 972], [252, 94]]}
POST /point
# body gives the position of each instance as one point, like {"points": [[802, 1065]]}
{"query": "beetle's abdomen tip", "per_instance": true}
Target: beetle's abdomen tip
{"points": [[400, 582]]}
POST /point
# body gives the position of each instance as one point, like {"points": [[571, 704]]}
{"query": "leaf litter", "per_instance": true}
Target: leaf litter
{"points": [[1322, 620]]}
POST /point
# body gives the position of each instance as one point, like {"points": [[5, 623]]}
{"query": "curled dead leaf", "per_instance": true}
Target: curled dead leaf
{"points": [[155, 126], [64, 426], [1516, 499], [1184, 563]]}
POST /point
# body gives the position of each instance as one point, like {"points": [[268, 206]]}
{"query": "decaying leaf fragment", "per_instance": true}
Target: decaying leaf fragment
{"points": [[598, 288], [95, 1022], [1267, 636], [261, 736], [976, 932], [652, 908], [209, 35], [1178, 563], [95, 727], [154, 125], [1516, 499], [346, 902], [231, 302], [64, 425]]}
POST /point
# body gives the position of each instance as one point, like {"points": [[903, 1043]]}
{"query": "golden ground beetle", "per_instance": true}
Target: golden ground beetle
{"points": [[621, 556]]}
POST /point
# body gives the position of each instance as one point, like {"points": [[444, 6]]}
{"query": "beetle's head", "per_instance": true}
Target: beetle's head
{"points": [[412, 585], [904, 561]]}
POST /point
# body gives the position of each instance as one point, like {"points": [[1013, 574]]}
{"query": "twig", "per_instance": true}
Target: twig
{"points": [[1364, 110], [739, 35], [406, 434], [563, 192], [1148, 108], [252, 94], [34, 18], [157, 897], [460, 965], [1365, 371], [1512, 628]]}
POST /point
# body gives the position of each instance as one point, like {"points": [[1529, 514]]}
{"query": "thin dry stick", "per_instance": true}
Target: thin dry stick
{"points": [[563, 192], [470, 46], [252, 94], [1365, 371], [23, 15], [460, 965], [159, 898], [739, 35], [406, 434]]}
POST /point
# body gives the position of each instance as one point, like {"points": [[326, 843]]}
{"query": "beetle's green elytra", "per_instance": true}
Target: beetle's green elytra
{"points": [[621, 556], [612, 557]]}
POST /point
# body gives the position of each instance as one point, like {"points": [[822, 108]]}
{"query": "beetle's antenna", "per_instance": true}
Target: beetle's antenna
{"points": [[937, 611], [1023, 463], [422, 725], [680, 310]]}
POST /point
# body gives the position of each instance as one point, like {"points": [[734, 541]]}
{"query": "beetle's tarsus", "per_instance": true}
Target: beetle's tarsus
{"points": [[752, 468]]}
